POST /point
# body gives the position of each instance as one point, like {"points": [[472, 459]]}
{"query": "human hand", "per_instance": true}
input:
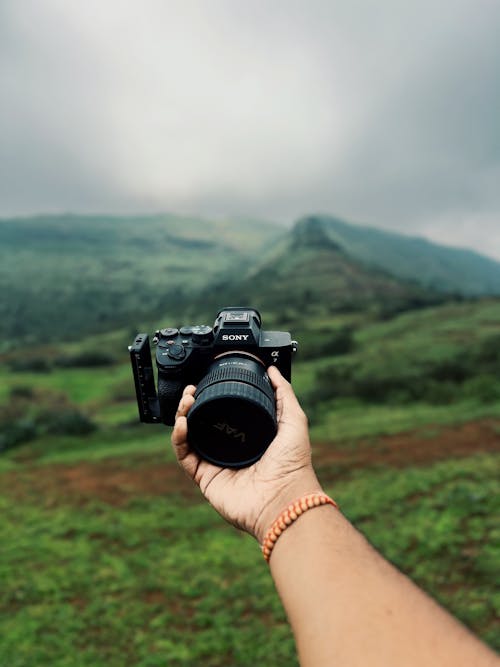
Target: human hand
{"points": [[251, 498]]}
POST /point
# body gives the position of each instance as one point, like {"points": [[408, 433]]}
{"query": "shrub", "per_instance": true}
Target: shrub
{"points": [[68, 421], [29, 414], [484, 388], [456, 369], [400, 381], [488, 353], [86, 359], [13, 433], [335, 343], [29, 365], [22, 391]]}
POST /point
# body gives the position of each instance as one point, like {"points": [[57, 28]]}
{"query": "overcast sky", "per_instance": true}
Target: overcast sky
{"points": [[383, 112]]}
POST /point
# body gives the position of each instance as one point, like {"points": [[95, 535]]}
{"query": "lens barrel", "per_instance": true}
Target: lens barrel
{"points": [[233, 419]]}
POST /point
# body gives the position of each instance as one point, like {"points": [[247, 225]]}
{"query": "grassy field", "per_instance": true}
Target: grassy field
{"points": [[117, 560], [110, 557]]}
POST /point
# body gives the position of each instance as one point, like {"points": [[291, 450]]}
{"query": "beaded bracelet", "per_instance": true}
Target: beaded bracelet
{"points": [[289, 515]]}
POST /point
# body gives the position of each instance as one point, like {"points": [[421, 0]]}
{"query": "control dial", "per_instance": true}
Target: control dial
{"points": [[176, 352], [202, 334]]}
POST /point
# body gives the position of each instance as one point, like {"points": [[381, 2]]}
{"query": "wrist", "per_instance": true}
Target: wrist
{"points": [[296, 485]]}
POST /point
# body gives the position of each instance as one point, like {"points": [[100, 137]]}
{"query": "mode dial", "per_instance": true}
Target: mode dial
{"points": [[169, 332], [202, 334]]}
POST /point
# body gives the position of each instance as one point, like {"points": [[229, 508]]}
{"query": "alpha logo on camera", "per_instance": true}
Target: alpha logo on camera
{"points": [[235, 336]]}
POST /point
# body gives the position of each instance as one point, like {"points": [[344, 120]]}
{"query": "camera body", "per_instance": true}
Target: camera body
{"points": [[184, 356]]}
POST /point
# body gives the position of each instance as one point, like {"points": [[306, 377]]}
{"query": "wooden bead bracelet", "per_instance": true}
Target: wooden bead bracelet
{"points": [[291, 514]]}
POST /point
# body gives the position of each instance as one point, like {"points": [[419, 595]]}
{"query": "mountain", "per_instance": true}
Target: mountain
{"points": [[69, 275], [309, 272], [62, 277], [439, 267]]}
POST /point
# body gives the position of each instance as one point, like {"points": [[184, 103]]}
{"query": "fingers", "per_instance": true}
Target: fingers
{"points": [[190, 389], [179, 437], [286, 402], [183, 452], [188, 459], [186, 401], [276, 378]]}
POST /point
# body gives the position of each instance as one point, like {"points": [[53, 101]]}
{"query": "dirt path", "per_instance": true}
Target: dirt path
{"points": [[112, 482], [420, 447]]}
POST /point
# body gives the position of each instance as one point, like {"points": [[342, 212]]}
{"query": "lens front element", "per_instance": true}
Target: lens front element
{"points": [[233, 419]]}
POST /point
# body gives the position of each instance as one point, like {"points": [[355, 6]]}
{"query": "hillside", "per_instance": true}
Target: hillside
{"points": [[310, 273], [411, 258], [65, 276]]}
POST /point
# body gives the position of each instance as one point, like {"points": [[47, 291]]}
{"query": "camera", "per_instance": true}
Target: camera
{"points": [[233, 419]]}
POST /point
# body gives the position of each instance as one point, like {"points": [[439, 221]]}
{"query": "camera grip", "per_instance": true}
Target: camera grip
{"points": [[169, 395]]}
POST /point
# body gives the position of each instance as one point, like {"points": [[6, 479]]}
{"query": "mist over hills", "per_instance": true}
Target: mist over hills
{"points": [[65, 276], [69, 275]]}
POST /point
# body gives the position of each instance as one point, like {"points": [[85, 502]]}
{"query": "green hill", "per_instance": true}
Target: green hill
{"points": [[308, 273], [411, 258], [65, 276]]}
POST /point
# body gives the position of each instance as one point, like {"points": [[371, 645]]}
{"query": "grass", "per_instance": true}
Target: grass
{"points": [[348, 420], [159, 579], [164, 581], [81, 385], [137, 442], [154, 583]]}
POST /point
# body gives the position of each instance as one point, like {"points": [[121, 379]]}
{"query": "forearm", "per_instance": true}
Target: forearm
{"points": [[348, 606]]}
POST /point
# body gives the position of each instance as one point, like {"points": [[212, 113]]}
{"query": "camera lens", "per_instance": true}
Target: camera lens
{"points": [[233, 419]]}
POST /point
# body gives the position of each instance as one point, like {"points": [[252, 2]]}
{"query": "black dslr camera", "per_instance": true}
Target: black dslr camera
{"points": [[233, 419]]}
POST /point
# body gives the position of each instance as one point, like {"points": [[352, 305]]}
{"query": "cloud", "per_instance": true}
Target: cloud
{"points": [[384, 113]]}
